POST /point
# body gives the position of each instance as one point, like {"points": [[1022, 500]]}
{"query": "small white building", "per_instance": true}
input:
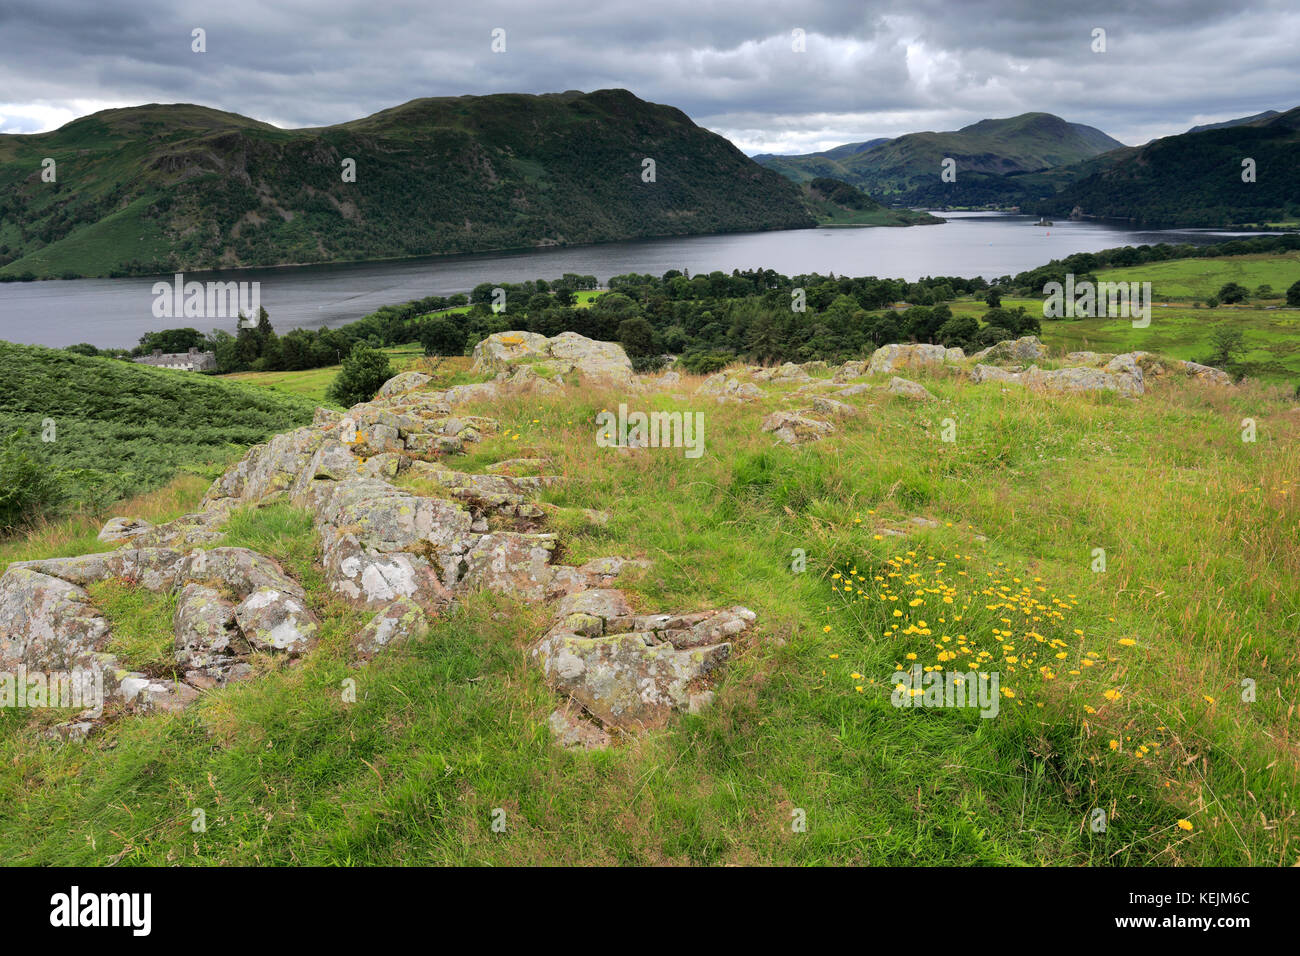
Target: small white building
{"points": [[191, 361]]}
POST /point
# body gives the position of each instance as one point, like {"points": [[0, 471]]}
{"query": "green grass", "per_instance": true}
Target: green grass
{"points": [[141, 623], [1202, 535], [1181, 329], [311, 384], [111, 428], [1202, 278]]}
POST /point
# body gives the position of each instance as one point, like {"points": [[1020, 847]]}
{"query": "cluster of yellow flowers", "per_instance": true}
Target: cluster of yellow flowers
{"points": [[949, 616], [944, 613]]}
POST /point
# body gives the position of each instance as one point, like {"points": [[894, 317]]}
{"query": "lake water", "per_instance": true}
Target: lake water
{"points": [[116, 312]]}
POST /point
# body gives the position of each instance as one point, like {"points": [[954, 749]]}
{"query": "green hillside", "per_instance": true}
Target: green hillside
{"points": [[990, 156], [102, 429], [163, 187], [836, 203], [1195, 178]]}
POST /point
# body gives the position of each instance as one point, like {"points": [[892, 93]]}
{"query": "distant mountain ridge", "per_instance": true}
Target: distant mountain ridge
{"points": [[1194, 178], [907, 169], [159, 188], [1240, 121]]}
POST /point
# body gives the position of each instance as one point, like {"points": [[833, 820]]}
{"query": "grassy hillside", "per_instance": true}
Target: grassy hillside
{"points": [[836, 203], [1203, 278], [990, 155], [1202, 535], [116, 428], [1195, 178], [157, 188]]}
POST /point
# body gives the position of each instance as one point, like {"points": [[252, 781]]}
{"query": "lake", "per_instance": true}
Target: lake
{"points": [[116, 312]]}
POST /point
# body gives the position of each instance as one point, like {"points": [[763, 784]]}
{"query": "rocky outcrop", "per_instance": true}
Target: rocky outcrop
{"points": [[994, 373], [405, 382], [118, 530], [403, 553], [561, 355], [829, 406], [849, 371], [889, 359], [1025, 349], [795, 428], [1158, 366], [726, 388], [1073, 380], [908, 389], [631, 671]]}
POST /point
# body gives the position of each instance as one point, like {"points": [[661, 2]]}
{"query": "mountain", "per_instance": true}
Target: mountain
{"points": [[160, 188], [836, 203], [1194, 179], [988, 154], [1241, 121]]}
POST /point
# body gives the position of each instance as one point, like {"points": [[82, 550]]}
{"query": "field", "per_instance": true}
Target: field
{"points": [[1201, 278], [1180, 324], [1163, 693]]}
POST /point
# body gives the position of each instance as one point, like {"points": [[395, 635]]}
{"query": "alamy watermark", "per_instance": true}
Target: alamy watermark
{"points": [[918, 688], [206, 300], [77, 689], [651, 430]]}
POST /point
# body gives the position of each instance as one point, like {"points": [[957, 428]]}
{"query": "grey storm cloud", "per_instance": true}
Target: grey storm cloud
{"points": [[866, 70]]}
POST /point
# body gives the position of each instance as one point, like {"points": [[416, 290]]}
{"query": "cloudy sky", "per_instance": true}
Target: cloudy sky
{"points": [[867, 69]]}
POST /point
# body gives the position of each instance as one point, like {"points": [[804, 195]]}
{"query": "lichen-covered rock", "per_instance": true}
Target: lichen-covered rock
{"points": [[849, 371], [629, 670], [1126, 365], [794, 428], [1207, 374], [47, 623], [404, 382], [1075, 380], [148, 695], [239, 569], [829, 406], [1158, 366], [268, 470], [123, 529], [727, 389], [370, 578], [697, 629], [789, 372], [396, 623], [511, 563], [390, 519], [572, 731], [324, 417], [154, 569], [526, 378], [562, 354], [333, 461], [907, 389], [628, 680], [849, 391], [187, 531], [272, 620], [205, 633], [892, 358], [1024, 349], [508, 348], [994, 373]]}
